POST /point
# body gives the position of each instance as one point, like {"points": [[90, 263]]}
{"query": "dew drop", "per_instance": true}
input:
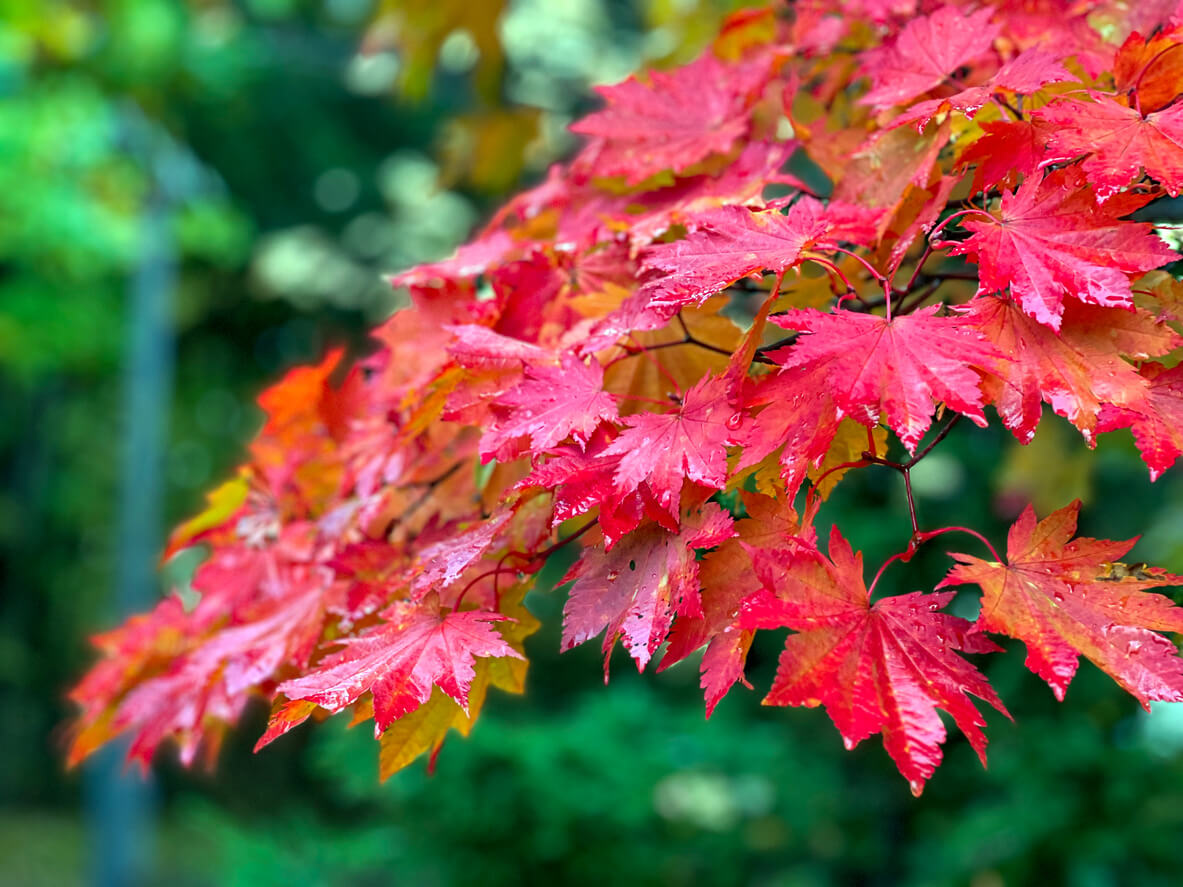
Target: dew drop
{"points": [[1133, 647], [1057, 597], [612, 576], [735, 420], [849, 743], [917, 787]]}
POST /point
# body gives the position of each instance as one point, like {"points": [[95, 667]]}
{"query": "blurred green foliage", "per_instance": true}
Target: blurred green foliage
{"points": [[295, 176]]}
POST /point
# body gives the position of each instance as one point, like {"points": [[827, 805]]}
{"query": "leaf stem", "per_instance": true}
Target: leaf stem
{"points": [[973, 210], [547, 552], [1003, 103], [811, 493], [929, 534], [530, 562], [919, 539], [940, 436], [902, 556], [836, 271], [875, 274], [428, 489], [907, 473], [485, 575]]}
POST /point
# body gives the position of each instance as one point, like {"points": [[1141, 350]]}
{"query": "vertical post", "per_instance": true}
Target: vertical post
{"points": [[121, 807]]}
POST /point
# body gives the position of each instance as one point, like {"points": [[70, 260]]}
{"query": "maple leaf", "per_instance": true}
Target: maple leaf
{"points": [[674, 120], [1007, 150], [474, 346], [1030, 70], [1162, 295], [648, 216], [727, 578], [581, 481], [882, 170], [729, 243], [1150, 69], [418, 647], [1053, 595], [444, 562], [927, 50], [899, 367], [1120, 142], [424, 729], [1156, 417], [877, 668], [1051, 238], [468, 261], [1076, 372], [1024, 74], [800, 418], [553, 403], [665, 449], [205, 688], [136, 651], [222, 503], [419, 731], [635, 589]]}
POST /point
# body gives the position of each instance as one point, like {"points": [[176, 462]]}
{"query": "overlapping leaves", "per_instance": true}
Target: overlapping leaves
{"points": [[648, 355]]}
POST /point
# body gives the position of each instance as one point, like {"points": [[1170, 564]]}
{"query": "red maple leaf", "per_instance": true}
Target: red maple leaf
{"points": [[742, 183], [205, 689], [727, 578], [1009, 149], [1054, 595], [553, 403], [799, 417], [689, 443], [883, 667], [583, 480], [1051, 238], [1120, 142], [474, 345], [1155, 417], [926, 51], [418, 647], [1076, 371], [674, 120], [442, 563], [635, 589], [1023, 74], [729, 243], [899, 367]]}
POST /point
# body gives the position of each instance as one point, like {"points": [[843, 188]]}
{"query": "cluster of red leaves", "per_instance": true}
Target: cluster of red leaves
{"points": [[571, 374]]}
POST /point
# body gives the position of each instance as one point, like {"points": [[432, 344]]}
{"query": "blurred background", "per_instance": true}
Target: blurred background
{"points": [[197, 195]]}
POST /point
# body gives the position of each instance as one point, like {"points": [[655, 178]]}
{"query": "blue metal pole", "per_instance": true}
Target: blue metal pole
{"points": [[122, 806]]}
